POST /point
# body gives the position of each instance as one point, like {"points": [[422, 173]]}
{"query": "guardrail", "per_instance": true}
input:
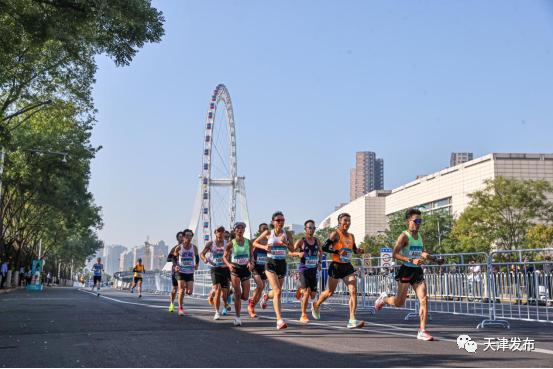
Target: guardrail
{"points": [[498, 287]]}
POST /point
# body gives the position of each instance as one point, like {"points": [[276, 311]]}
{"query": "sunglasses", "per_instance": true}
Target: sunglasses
{"points": [[417, 221], [279, 220], [309, 227]]}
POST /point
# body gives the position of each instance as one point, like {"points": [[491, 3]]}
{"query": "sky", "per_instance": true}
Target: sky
{"points": [[312, 82]]}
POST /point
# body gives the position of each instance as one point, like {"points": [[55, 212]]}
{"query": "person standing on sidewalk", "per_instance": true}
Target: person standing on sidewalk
{"points": [[3, 272]]}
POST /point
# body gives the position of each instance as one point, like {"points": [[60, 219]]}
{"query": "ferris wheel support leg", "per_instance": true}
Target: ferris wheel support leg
{"points": [[244, 205]]}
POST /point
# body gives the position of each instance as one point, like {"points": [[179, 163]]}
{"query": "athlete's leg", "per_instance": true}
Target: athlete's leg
{"points": [[304, 301], [189, 287], [245, 289], [140, 287], [351, 283], [236, 285], [275, 292], [399, 299], [182, 285], [259, 285], [420, 290], [332, 283], [217, 297]]}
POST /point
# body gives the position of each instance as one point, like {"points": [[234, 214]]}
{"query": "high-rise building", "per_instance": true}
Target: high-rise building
{"points": [[460, 158], [367, 176], [112, 254]]}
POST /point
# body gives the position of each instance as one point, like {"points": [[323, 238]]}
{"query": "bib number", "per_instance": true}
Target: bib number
{"points": [[261, 259], [279, 252], [186, 265], [347, 257], [311, 261], [415, 252], [241, 259]]}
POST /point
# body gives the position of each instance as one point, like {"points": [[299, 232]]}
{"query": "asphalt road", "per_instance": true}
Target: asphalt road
{"points": [[63, 327]]}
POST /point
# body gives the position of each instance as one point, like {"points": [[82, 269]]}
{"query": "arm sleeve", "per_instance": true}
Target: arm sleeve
{"points": [[197, 259], [169, 258], [327, 247]]}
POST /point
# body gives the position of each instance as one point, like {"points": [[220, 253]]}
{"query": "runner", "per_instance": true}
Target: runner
{"points": [[229, 236], [188, 262], [409, 251], [277, 243], [171, 258], [341, 244], [220, 273], [97, 268], [309, 250], [259, 276], [137, 277], [240, 267]]}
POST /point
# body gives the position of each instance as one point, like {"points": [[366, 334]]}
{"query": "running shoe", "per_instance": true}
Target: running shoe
{"points": [[216, 316], [228, 307], [132, 290], [304, 319], [251, 310], [237, 321], [224, 312], [298, 294], [139, 296], [355, 324], [281, 324], [264, 300], [181, 311], [424, 335], [315, 312], [171, 307], [379, 303]]}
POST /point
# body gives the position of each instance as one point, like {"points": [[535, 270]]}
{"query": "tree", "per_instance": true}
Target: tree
{"points": [[539, 236], [47, 51], [372, 243], [502, 214], [324, 233]]}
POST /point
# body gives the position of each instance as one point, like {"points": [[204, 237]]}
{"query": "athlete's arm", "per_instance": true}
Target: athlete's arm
{"points": [[356, 249], [401, 242], [257, 243], [196, 258], [226, 256], [205, 250], [289, 242], [329, 242], [297, 246], [170, 255]]}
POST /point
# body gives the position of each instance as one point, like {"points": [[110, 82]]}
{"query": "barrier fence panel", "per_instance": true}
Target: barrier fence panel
{"points": [[501, 286]]}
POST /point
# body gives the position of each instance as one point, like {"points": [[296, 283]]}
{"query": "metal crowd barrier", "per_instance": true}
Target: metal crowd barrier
{"points": [[504, 285]]}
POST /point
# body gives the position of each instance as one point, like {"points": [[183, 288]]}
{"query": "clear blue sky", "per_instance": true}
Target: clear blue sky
{"points": [[312, 82]]}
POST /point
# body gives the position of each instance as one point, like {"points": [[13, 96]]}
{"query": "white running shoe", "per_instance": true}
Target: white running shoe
{"points": [[281, 324], [237, 322], [424, 335], [216, 316], [379, 303]]}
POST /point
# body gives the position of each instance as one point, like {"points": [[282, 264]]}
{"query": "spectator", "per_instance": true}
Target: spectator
{"points": [[4, 273], [474, 279], [548, 278], [529, 272], [49, 279], [21, 275], [28, 277]]}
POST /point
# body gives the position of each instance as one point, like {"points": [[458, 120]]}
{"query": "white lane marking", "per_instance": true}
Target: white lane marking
{"points": [[297, 322]]}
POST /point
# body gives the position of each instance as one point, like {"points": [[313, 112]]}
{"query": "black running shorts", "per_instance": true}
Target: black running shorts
{"points": [[276, 266], [136, 279], [340, 270], [184, 277], [242, 272], [411, 275], [260, 271], [308, 279], [220, 276]]}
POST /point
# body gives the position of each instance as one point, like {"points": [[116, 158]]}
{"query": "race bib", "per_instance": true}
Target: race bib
{"points": [[347, 257], [261, 259], [311, 261], [415, 252], [186, 265], [279, 252], [241, 259], [217, 259]]}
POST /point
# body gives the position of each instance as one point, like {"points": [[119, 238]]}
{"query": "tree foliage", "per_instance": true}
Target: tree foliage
{"points": [[503, 214]]}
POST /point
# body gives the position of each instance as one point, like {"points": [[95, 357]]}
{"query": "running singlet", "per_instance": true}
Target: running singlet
{"points": [[97, 268], [138, 270], [186, 260], [344, 243], [260, 256], [310, 258], [217, 255], [278, 250], [413, 250], [241, 254]]}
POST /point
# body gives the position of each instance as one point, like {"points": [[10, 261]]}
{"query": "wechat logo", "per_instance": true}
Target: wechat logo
{"points": [[465, 342]]}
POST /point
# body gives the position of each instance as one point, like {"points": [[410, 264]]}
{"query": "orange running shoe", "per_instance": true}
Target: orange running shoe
{"points": [[251, 310]]}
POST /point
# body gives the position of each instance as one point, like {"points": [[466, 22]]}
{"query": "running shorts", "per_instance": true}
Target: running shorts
{"points": [[242, 272], [97, 278], [184, 277], [136, 279], [220, 276], [276, 266], [308, 279], [411, 275], [340, 270], [260, 271]]}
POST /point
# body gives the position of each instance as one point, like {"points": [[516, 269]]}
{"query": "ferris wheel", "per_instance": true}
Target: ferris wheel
{"points": [[221, 198]]}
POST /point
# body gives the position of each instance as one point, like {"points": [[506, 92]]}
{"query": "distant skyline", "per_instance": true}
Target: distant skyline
{"points": [[313, 82]]}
